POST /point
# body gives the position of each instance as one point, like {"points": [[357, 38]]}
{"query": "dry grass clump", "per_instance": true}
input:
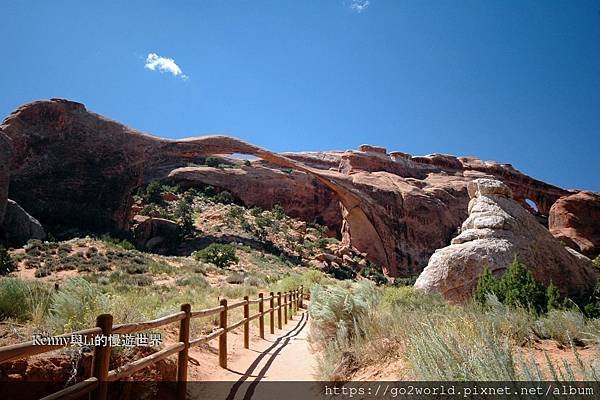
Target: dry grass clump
{"points": [[439, 341]]}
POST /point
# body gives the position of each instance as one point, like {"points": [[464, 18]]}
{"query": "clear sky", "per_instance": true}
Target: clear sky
{"points": [[512, 81]]}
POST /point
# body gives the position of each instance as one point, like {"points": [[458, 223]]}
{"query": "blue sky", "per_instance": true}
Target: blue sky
{"points": [[513, 81]]}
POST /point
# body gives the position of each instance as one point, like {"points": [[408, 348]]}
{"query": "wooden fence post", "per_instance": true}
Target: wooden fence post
{"points": [[301, 296], [294, 301], [285, 308], [290, 304], [261, 319], [271, 313], [247, 323], [278, 310], [182, 357], [102, 356], [223, 337]]}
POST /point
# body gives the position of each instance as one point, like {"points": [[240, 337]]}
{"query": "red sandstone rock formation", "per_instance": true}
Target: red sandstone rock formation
{"points": [[497, 230], [575, 219], [74, 167]]}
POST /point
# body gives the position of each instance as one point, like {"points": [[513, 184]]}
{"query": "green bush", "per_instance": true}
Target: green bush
{"points": [[592, 308], [222, 255], [212, 162], [185, 213], [76, 305], [224, 197], [152, 193], [517, 287], [122, 243], [278, 212], [7, 265], [17, 298]]}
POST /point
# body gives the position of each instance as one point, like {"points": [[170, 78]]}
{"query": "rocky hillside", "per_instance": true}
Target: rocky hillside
{"points": [[66, 166]]}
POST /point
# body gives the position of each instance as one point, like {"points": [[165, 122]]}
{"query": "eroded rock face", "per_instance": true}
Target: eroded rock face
{"points": [[300, 194], [76, 168], [497, 230], [575, 220], [19, 226], [5, 157]]}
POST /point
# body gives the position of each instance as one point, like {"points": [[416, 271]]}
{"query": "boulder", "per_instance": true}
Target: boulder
{"points": [[155, 234], [497, 231], [19, 226], [575, 220]]}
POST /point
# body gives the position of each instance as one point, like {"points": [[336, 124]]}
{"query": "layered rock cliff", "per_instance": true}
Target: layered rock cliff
{"points": [[72, 167]]}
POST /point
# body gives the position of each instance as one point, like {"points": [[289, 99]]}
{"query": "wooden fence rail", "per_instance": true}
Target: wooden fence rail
{"points": [[97, 384]]}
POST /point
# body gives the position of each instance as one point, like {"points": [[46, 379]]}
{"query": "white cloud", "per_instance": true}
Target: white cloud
{"points": [[359, 5], [154, 62]]}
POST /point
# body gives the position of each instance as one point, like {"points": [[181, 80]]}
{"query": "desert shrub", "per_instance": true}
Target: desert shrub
{"points": [[235, 278], [293, 281], [152, 193], [193, 280], [136, 267], [597, 262], [212, 162], [20, 299], [13, 298], [592, 308], [76, 305], [517, 287], [256, 211], [224, 197], [222, 255], [64, 249], [254, 281], [42, 271], [455, 349], [338, 312], [160, 268], [7, 265], [278, 212], [237, 291], [564, 326], [185, 213], [122, 243], [407, 298], [374, 273]]}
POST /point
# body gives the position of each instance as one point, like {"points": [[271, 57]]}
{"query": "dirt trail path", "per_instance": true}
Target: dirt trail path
{"points": [[285, 356]]}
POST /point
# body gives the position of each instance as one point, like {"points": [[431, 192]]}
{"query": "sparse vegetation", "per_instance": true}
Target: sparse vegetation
{"points": [[434, 340]]}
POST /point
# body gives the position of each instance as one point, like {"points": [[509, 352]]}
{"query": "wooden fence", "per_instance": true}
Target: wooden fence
{"points": [[97, 385]]}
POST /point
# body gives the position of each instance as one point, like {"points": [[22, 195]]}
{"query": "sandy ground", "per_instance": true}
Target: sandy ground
{"points": [[284, 356]]}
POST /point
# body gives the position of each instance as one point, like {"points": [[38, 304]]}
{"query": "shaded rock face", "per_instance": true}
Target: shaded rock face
{"points": [[155, 234], [5, 156], [76, 168], [19, 226], [497, 230], [300, 194], [575, 220]]}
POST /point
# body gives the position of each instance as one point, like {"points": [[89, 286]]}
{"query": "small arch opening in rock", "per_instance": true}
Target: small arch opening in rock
{"points": [[243, 156], [532, 204]]}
